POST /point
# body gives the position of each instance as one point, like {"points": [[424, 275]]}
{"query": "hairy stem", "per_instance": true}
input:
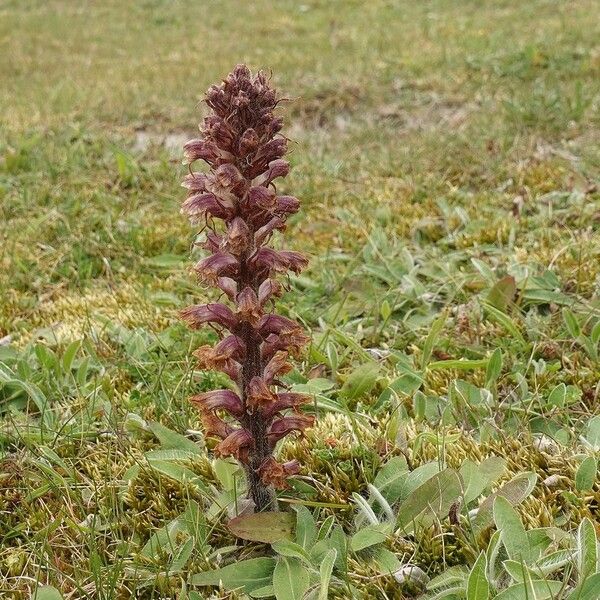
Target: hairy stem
{"points": [[263, 495]]}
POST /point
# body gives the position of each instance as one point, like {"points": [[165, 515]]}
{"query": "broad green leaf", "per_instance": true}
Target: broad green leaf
{"points": [[291, 579], [387, 562], [171, 455], [172, 440], [592, 433], [492, 554], [430, 501], [163, 540], [473, 481], [484, 270], [502, 293], [506, 322], [366, 537], [360, 382], [325, 571], [69, 355], [178, 473], [228, 473], [571, 323], [249, 574], [517, 570], [267, 527], [47, 358], [478, 587], [407, 383], [540, 590], [456, 592], [460, 364], [81, 374], [350, 342], [492, 468], [319, 550], [515, 491], [306, 528], [165, 261], [182, 555], [553, 562], [494, 367], [385, 310], [558, 396], [332, 356], [546, 297], [587, 590], [326, 527], [264, 592], [47, 592], [365, 508], [55, 458], [291, 550], [420, 405], [164, 299], [539, 541], [587, 550], [476, 478], [586, 474], [194, 520], [377, 498], [7, 377], [430, 341], [530, 585], [390, 477], [339, 541], [466, 394], [450, 577], [418, 477], [513, 533]]}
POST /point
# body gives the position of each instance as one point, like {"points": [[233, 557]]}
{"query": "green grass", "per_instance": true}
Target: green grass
{"points": [[440, 147]]}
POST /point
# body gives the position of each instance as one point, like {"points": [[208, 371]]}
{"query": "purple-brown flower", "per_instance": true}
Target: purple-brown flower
{"points": [[237, 202]]}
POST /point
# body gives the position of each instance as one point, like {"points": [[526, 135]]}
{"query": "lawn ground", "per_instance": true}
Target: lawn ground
{"points": [[447, 158]]}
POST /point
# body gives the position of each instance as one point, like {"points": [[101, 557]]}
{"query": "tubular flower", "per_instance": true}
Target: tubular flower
{"points": [[219, 399], [237, 201], [276, 473]]}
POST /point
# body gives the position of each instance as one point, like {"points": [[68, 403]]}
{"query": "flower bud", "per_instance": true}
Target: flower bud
{"points": [[277, 168], [210, 269], [248, 142], [236, 444], [238, 236], [200, 150], [262, 198], [249, 308], [282, 427], [274, 473], [199, 314]]}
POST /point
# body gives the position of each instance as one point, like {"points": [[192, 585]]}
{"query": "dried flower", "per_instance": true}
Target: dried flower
{"points": [[240, 143]]}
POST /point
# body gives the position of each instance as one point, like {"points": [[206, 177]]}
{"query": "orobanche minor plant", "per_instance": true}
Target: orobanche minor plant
{"points": [[240, 142]]}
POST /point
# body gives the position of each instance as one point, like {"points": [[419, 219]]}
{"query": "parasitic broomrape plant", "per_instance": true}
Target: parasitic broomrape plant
{"points": [[241, 144]]}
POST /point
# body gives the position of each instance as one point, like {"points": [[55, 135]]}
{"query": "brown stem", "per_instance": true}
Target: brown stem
{"points": [[264, 496]]}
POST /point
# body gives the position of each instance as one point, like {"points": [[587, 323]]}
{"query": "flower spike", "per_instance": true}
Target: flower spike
{"points": [[240, 142]]}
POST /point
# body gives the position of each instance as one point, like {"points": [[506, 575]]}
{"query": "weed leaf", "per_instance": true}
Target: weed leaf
{"points": [[291, 579], [250, 575], [267, 527]]}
